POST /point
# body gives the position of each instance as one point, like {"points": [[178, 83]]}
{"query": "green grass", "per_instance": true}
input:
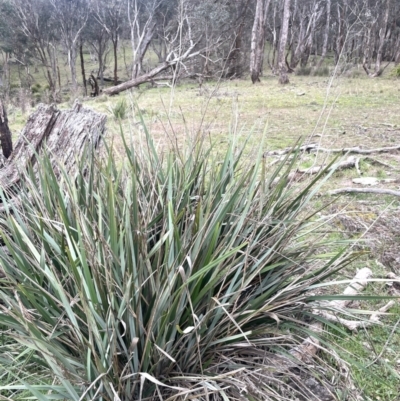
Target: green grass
{"points": [[374, 355]]}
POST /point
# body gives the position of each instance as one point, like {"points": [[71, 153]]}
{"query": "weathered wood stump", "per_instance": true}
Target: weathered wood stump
{"points": [[64, 135]]}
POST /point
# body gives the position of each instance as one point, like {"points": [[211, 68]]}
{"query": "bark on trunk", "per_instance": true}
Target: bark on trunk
{"points": [[5, 134], [83, 69], [63, 134], [115, 48], [72, 66], [257, 40], [283, 75]]}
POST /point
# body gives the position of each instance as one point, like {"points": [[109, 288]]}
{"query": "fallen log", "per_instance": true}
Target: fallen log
{"points": [[62, 134], [350, 190], [170, 63]]}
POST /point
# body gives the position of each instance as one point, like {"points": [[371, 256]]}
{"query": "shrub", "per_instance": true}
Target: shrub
{"points": [[176, 276]]}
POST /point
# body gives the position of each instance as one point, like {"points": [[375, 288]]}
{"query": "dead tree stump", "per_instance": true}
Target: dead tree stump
{"points": [[5, 134], [64, 135]]}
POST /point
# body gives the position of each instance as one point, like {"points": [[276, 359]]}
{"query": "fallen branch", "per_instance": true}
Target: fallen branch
{"points": [[313, 148], [114, 90], [379, 191]]}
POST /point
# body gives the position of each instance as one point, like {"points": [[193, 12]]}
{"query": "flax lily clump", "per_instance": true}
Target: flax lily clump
{"points": [[162, 277]]}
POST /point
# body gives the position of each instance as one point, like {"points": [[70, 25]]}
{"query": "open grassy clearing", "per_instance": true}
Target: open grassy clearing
{"points": [[347, 112]]}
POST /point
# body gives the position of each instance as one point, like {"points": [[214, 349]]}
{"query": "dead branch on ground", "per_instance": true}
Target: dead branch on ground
{"points": [[378, 191], [313, 148]]}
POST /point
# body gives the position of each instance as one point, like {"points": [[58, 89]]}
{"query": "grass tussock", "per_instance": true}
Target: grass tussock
{"points": [[169, 277], [120, 109]]}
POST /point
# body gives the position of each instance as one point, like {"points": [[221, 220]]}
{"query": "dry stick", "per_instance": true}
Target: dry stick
{"points": [[380, 191]]}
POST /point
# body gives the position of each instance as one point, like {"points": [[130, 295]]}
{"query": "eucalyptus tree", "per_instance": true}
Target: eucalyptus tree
{"points": [[283, 73], [258, 39], [71, 17]]}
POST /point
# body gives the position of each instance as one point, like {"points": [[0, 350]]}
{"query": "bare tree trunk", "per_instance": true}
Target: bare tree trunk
{"points": [[283, 75], [72, 67], [257, 40], [115, 48], [83, 68], [143, 46], [5, 133]]}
